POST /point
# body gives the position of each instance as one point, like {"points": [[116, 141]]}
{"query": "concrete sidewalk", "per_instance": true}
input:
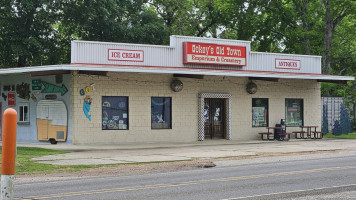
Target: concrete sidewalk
{"points": [[140, 153]]}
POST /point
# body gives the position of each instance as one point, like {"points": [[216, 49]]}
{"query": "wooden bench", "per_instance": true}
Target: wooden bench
{"points": [[317, 134], [286, 136], [301, 134], [268, 135]]}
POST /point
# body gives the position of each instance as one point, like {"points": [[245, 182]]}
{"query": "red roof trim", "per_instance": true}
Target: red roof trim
{"points": [[200, 69]]}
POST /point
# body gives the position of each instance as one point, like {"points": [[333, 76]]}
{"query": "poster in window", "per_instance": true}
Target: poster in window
{"points": [[259, 116], [161, 112], [115, 113]]}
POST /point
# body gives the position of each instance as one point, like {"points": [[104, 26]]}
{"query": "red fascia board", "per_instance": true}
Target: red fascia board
{"points": [[201, 69]]}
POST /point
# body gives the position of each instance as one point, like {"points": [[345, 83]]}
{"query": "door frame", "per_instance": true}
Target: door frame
{"points": [[202, 97]]}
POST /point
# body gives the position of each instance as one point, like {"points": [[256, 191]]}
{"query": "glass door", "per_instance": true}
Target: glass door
{"points": [[214, 118]]}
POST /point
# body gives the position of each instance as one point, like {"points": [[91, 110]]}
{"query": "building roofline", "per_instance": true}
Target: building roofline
{"points": [[176, 70]]}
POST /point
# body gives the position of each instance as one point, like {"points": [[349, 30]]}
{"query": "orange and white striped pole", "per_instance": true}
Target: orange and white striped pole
{"points": [[8, 154]]}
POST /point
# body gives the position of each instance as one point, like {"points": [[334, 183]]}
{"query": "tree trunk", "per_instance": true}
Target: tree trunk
{"points": [[302, 10], [21, 62], [328, 33]]}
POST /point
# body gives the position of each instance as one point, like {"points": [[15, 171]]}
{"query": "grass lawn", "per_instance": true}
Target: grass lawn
{"points": [[343, 136], [24, 165]]}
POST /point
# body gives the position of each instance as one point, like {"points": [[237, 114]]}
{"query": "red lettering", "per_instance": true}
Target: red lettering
{"points": [[131, 55], [288, 64], [115, 54]]}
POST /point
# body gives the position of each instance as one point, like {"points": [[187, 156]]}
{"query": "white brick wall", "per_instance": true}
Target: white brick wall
{"points": [[141, 87]]}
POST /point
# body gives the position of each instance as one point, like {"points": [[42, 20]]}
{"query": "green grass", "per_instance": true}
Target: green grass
{"points": [[24, 164], [343, 136]]}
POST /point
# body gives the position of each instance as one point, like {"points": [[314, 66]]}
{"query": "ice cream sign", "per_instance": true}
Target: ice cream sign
{"points": [[125, 55], [214, 54]]}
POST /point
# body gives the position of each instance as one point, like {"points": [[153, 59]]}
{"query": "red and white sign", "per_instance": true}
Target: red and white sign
{"points": [[214, 54], [125, 55], [11, 99], [287, 64]]}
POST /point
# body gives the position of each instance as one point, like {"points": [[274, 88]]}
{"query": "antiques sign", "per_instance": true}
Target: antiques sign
{"points": [[214, 54], [287, 64], [125, 55]]}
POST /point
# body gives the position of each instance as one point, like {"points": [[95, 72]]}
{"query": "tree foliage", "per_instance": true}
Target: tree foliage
{"points": [[113, 20], [38, 32], [27, 34]]}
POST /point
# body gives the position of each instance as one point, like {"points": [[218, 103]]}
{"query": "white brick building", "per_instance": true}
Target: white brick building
{"points": [[122, 93]]}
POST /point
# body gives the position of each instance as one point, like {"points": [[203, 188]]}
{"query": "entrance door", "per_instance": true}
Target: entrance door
{"points": [[42, 121], [214, 118]]}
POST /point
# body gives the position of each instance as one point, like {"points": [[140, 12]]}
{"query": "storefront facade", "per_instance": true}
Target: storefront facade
{"points": [[193, 90]]}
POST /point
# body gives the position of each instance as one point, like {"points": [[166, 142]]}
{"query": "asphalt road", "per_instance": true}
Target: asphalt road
{"points": [[323, 178]]}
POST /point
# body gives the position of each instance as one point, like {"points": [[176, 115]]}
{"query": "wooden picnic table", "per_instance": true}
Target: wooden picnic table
{"points": [[286, 136], [307, 132]]}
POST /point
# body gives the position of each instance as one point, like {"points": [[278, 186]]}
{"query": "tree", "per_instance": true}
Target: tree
{"points": [[38, 32], [335, 12], [113, 21], [343, 60], [190, 17], [302, 9], [175, 14], [27, 34], [241, 18], [289, 26]]}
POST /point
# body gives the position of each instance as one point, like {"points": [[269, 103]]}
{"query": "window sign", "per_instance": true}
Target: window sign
{"points": [[294, 112], [11, 99], [36, 84], [161, 112], [115, 113], [260, 112]]}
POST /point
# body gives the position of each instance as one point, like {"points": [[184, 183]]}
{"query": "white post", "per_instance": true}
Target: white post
{"points": [[7, 187]]}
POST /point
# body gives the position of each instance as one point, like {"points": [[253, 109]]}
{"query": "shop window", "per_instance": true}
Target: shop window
{"points": [[115, 113], [259, 112], [24, 113], [161, 112], [294, 112]]}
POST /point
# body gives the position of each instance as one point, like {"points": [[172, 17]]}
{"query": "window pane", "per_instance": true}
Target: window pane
{"points": [[161, 112], [260, 112], [294, 112], [21, 114], [25, 110], [115, 113]]}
